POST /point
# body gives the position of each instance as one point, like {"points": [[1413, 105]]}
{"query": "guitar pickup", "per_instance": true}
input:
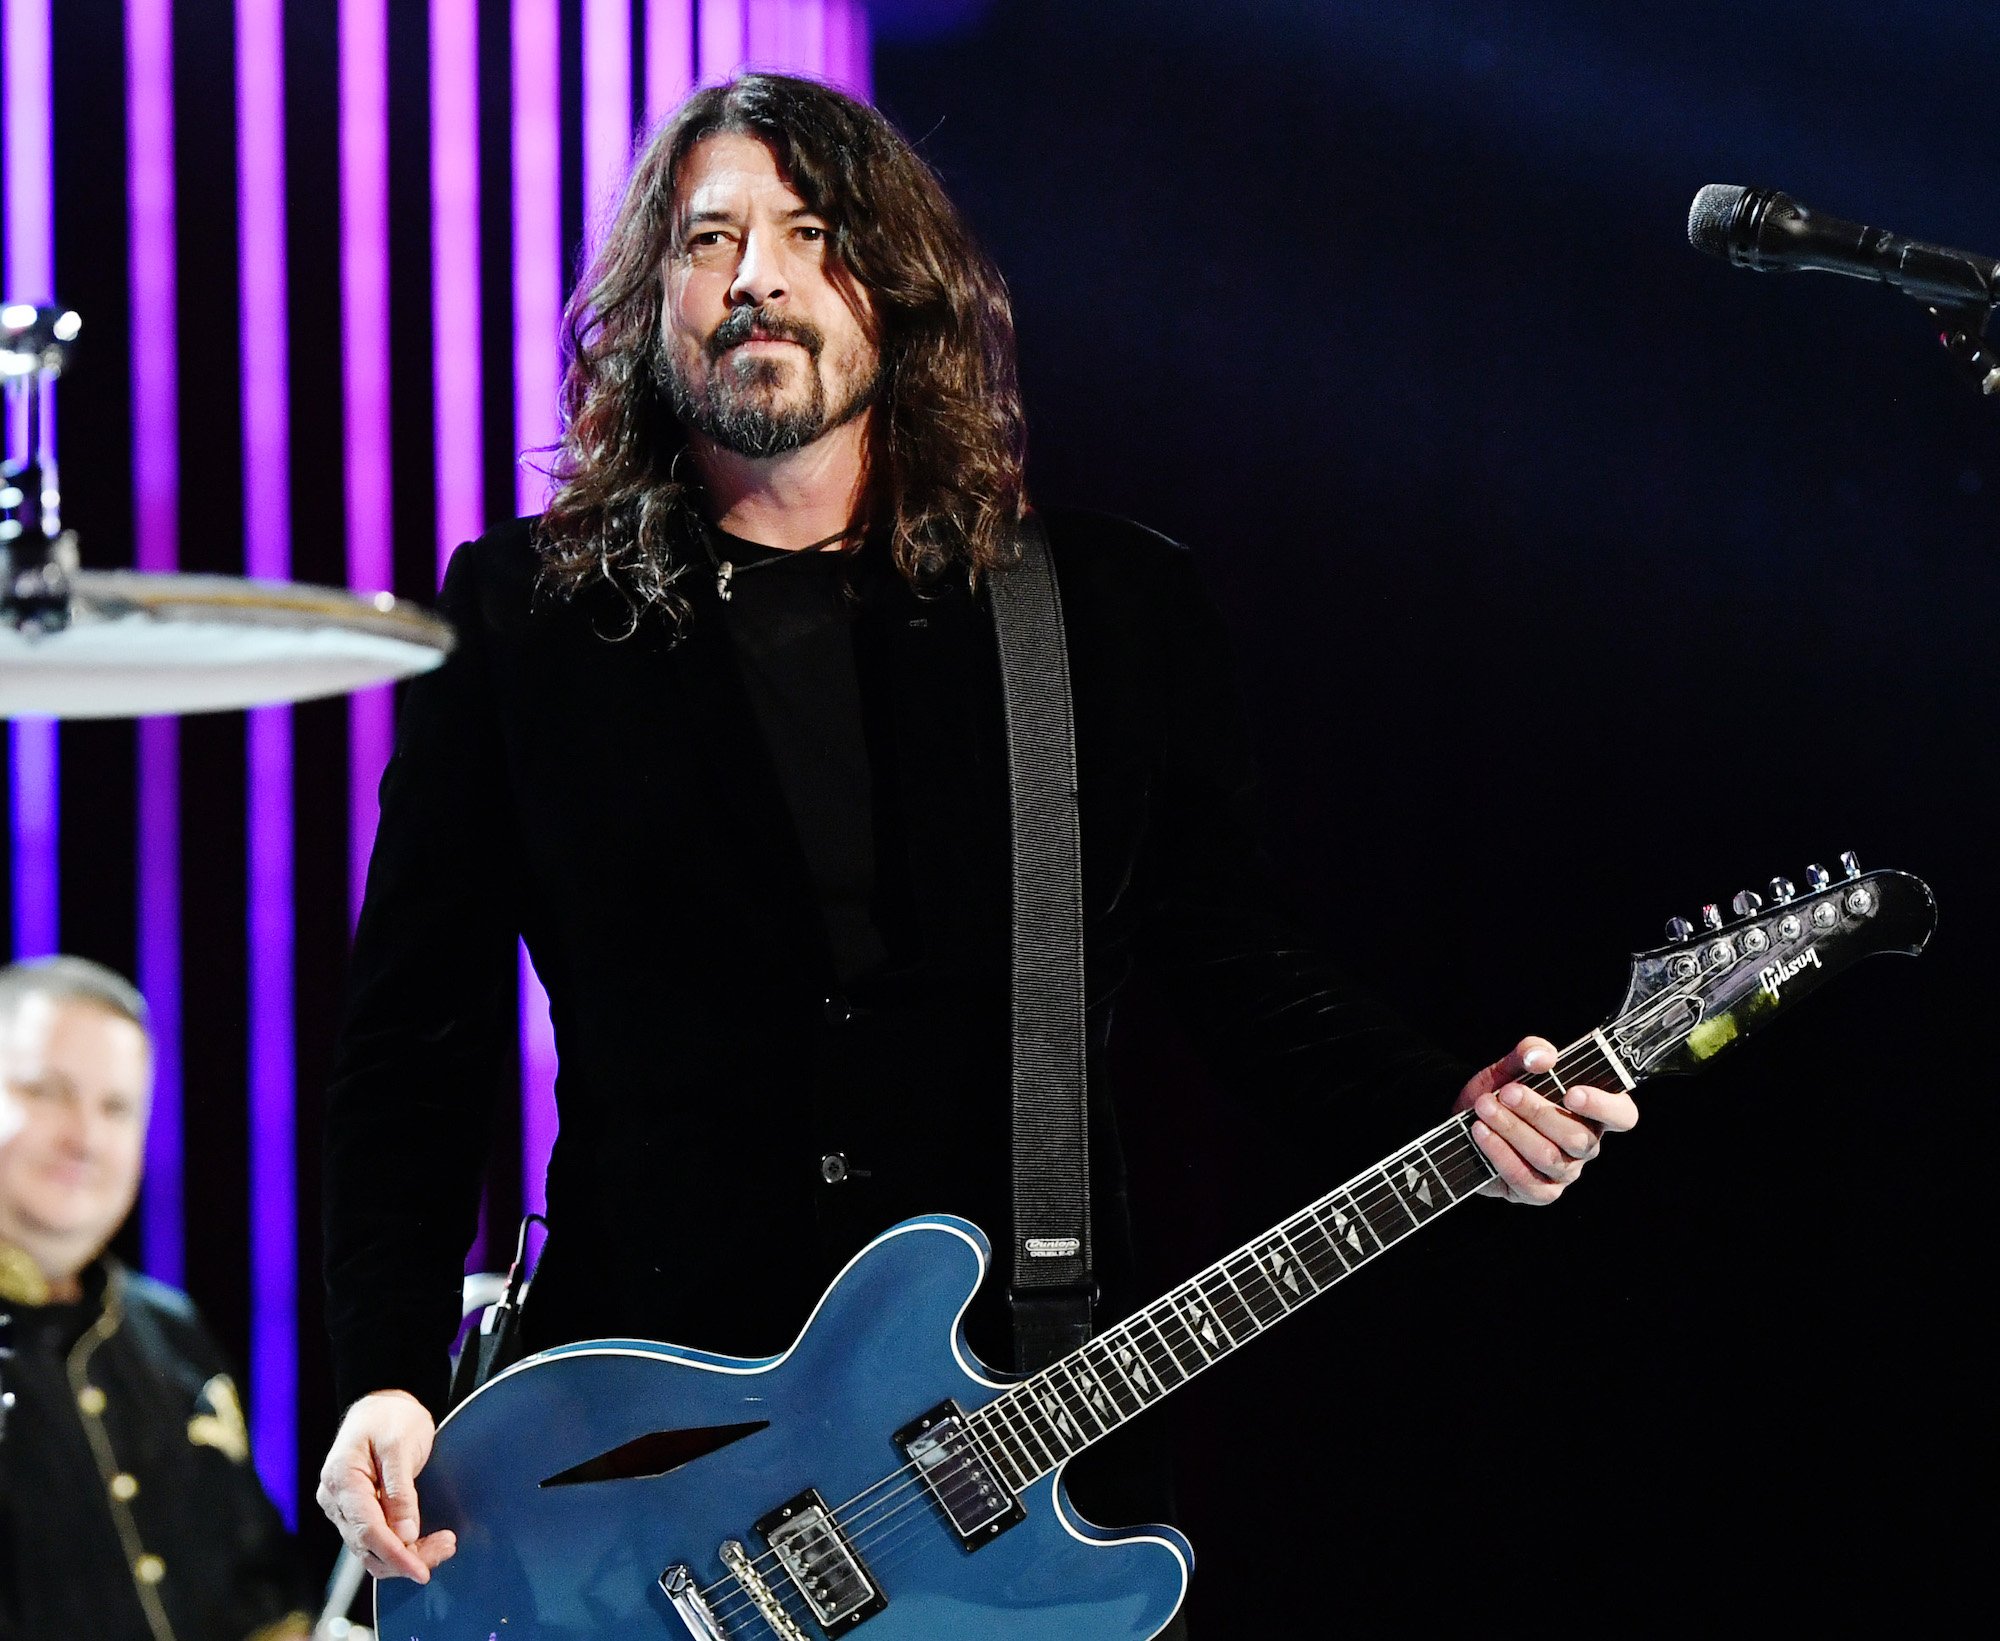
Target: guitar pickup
{"points": [[828, 1571], [961, 1479]]}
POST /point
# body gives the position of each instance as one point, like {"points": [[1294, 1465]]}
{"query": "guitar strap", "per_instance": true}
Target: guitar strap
{"points": [[1050, 1286]]}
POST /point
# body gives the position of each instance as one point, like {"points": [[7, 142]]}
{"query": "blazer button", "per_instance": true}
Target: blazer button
{"points": [[833, 1167], [838, 1010]]}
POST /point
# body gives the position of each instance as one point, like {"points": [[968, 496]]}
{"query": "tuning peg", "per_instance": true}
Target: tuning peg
{"points": [[1782, 889], [1850, 863], [1711, 917], [1678, 929], [1817, 876], [1747, 903]]}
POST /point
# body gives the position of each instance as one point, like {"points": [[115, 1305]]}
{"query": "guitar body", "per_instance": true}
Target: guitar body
{"points": [[582, 1560]]}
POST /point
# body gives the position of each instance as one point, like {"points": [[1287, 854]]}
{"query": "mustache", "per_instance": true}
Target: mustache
{"points": [[739, 326]]}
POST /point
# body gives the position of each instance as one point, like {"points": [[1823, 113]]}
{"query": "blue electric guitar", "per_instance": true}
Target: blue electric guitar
{"points": [[877, 1477]]}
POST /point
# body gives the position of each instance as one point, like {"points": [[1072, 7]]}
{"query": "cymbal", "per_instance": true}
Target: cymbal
{"points": [[140, 644]]}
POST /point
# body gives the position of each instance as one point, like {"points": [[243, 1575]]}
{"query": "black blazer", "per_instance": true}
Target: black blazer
{"points": [[610, 798]]}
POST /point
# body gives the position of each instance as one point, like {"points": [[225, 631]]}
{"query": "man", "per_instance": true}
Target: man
{"points": [[723, 742], [128, 1505]]}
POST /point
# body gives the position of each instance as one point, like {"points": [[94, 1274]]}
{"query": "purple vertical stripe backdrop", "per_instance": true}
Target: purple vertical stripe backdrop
{"points": [[149, 120], [669, 56], [607, 107], [458, 425], [538, 294], [458, 430], [266, 388], [365, 362], [30, 277]]}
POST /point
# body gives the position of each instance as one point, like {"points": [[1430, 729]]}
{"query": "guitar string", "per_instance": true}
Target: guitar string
{"points": [[1377, 1193], [885, 1544], [1282, 1233], [1592, 1059], [866, 1525], [867, 1528]]}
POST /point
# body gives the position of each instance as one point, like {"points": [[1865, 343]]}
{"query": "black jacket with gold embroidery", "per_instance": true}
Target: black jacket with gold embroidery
{"points": [[128, 1504]]}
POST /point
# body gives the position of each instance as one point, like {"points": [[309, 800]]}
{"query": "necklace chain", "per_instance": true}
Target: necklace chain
{"points": [[726, 570]]}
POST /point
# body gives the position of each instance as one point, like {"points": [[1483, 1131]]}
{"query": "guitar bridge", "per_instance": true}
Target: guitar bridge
{"points": [[961, 1479], [828, 1571], [685, 1594]]}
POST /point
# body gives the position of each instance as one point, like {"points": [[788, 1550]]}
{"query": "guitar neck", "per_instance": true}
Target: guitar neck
{"points": [[1056, 1413]]}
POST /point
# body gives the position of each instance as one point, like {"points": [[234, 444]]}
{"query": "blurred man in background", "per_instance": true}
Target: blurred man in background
{"points": [[128, 1504]]}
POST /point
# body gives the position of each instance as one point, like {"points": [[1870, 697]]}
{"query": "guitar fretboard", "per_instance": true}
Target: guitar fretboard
{"points": [[1034, 1426]]}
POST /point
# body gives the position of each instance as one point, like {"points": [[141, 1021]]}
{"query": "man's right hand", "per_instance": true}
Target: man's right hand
{"points": [[368, 1486]]}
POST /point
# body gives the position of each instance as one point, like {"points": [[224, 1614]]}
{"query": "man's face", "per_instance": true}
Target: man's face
{"points": [[74, 1084], [764, 347]]}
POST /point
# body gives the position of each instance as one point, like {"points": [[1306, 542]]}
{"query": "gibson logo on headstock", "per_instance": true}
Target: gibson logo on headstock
{"points": [[1778, 973]]}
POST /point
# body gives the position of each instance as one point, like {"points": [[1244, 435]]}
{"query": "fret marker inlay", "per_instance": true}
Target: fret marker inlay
{"points": [[1135, 1369], [1413, 1178]]}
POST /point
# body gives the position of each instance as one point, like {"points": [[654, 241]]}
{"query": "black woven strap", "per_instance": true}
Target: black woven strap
{"points": [[1051, 1284]]}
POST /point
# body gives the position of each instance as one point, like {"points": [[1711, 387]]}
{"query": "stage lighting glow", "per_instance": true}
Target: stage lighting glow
{"points": [[267, 526]]}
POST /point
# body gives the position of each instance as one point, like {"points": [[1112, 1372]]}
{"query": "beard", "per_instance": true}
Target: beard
{"points": [[738, 399]]}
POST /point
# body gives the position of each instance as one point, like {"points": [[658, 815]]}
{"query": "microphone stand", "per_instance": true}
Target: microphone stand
{"points": [[1962, 331]]}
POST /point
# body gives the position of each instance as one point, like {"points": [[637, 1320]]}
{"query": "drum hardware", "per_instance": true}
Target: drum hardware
{"points": [[87, 643]]}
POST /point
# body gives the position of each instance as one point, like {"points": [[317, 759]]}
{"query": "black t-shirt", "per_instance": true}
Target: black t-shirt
{"points": [[790, 621]]}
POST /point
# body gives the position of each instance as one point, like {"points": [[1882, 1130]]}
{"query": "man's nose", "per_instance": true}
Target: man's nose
{"points": [[760, 275], [77, 1132]]}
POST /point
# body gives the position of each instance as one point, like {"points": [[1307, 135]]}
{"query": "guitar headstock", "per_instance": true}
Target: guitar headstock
{"points": [[1709, 985]]}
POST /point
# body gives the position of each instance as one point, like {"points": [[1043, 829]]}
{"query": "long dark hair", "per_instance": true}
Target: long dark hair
{"points": [[947, 442]]}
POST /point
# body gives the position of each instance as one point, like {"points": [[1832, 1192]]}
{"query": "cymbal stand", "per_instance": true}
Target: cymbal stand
{"points": [[37, 556]]}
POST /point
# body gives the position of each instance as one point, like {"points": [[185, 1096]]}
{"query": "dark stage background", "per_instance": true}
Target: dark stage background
{"points": [[1577, 580]]}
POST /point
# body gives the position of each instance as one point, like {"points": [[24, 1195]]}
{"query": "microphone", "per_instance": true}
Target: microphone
{"points": [[1772, 232]]}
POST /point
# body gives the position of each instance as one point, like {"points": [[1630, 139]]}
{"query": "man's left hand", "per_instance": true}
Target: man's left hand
{"points": [[1537, 1146]]}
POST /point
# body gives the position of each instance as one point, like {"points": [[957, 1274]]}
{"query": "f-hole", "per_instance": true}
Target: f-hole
{"points": [[658, 1454]]}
